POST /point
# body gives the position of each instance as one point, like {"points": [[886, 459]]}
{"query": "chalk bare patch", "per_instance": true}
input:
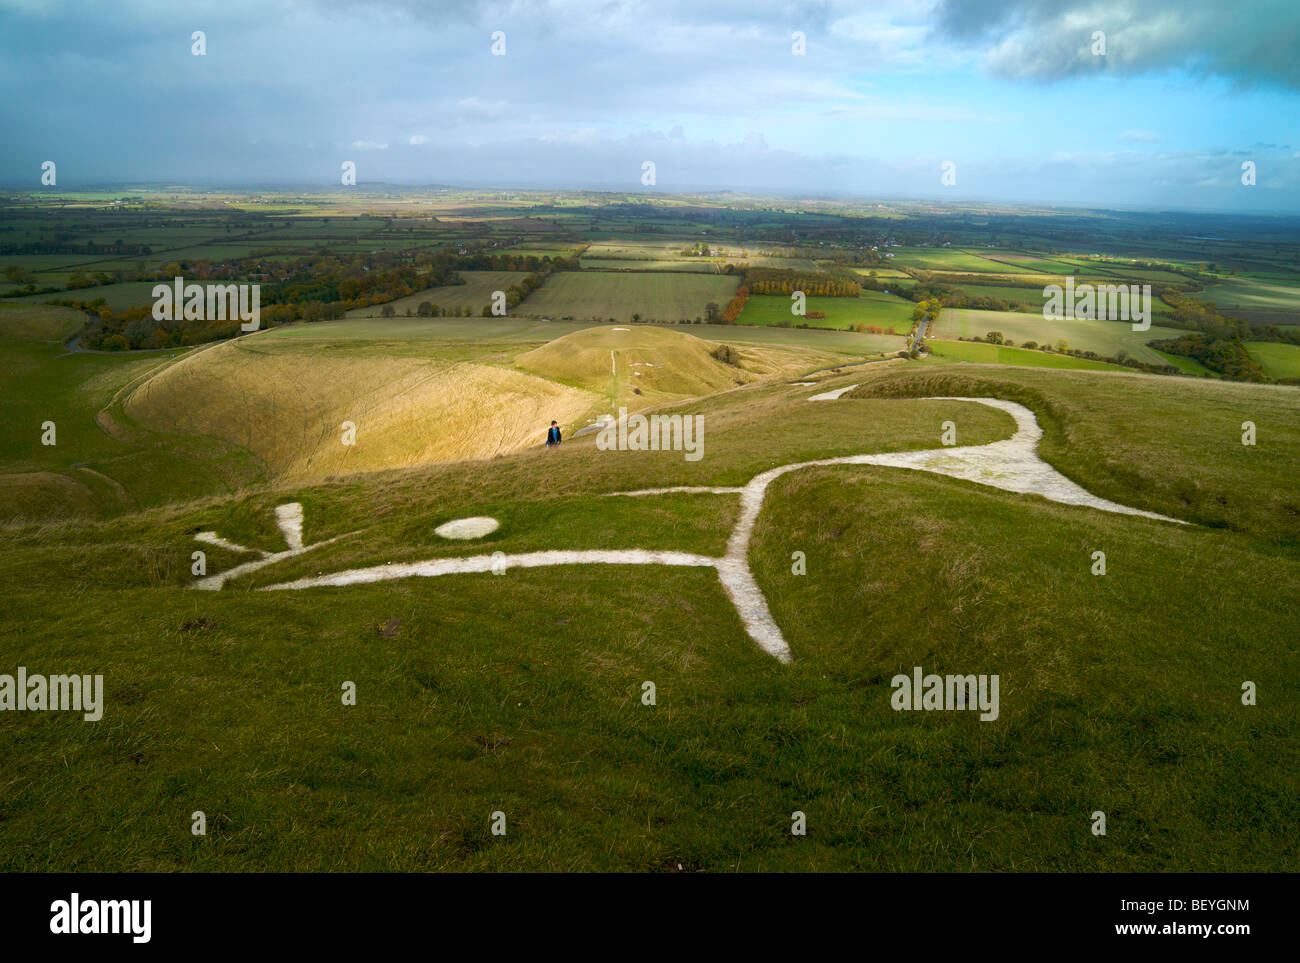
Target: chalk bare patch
{"points": [[475, 527], [289, 518], [833, 395]]}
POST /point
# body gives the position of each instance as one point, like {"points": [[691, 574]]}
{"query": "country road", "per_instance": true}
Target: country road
{"points": [[920, 332]]}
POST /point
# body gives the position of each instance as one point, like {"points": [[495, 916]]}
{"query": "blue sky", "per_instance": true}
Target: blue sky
{"points": [[1009, 92]]}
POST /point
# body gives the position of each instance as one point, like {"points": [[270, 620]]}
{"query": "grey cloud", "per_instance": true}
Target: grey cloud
{"points": [[1044, 40]]}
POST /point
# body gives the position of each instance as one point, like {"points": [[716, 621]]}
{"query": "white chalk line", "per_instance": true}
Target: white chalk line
{"points": [[217, 581], [289, 519], [687, 489], [833, 395], [1011, 465], [211, 538], [498, 562]]}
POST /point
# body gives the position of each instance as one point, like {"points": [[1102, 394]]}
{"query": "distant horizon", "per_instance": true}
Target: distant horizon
{"points": [[363, 188]]}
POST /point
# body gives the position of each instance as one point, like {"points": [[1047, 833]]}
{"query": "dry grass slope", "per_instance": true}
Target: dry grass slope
{"points": [[663, 364], [288, 405]]}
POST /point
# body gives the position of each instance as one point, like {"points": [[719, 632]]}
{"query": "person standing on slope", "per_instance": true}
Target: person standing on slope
{"points": [[553, 436]]}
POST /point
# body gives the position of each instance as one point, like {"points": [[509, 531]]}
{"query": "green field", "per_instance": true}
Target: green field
{"points": [[130, 294], [1129, 437], [872, 308], [638, 249], [1105, 338], [1030, 296], [101, 463], [1276, 301], [592, 296], [951, 259], [1000, 354], [39, 323], [1278, 360], [882, 273], [1185, 364]]}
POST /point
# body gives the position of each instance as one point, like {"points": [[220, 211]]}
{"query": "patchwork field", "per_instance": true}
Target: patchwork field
{"points": [[1032, 296]]}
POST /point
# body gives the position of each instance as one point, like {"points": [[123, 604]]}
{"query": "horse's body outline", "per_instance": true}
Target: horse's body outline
{"points": [[1011, 464]]}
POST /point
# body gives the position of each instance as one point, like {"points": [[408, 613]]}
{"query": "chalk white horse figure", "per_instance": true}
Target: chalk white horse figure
{"points": [[1012, 465]]}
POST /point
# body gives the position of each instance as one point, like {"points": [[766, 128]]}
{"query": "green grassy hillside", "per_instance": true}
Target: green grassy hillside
{"points": [[522, 692], [1173, 447], [100, 462]]}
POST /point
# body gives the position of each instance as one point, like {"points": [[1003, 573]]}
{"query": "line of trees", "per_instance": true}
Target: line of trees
{"points": [[59, 246], [516, 293], [1227, 356], [813, 284], [737, 304]]}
